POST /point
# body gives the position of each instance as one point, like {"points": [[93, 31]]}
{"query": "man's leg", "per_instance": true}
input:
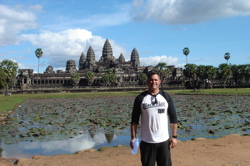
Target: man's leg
{"points": [[163, 157], [148, 153]]}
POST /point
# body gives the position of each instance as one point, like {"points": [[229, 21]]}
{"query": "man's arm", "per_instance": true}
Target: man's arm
{"points": [[133, 129], [174, 133], [136, 113]]}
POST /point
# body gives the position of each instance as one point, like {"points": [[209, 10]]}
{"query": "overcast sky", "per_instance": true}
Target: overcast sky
{"points": [[158, 29]]}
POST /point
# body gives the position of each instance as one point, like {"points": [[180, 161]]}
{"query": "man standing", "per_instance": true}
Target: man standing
{"points": [[155, 108]]}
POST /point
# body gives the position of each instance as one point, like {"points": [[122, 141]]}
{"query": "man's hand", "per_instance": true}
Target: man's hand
{"points": [[131, 143], [173, 142]]}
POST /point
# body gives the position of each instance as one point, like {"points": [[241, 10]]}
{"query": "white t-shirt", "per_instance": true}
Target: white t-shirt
{"points": [[154, 119]]}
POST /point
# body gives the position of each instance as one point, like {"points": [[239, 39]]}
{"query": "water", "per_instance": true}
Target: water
{"points": [[51, 127], [28, 149]]}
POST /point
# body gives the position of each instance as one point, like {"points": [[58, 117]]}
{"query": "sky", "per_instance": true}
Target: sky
{"points": [[158, 29]]}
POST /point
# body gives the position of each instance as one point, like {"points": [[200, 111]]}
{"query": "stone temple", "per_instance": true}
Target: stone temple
{"points": [[127, 72]]}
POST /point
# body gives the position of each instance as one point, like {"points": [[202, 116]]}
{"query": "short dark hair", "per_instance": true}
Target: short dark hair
{"points": [[153, 73]]}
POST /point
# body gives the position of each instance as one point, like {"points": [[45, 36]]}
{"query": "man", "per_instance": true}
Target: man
{"points": [[154, 108]]}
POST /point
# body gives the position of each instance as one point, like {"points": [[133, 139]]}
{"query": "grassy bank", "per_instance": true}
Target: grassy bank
{"points": [[10, 102]]}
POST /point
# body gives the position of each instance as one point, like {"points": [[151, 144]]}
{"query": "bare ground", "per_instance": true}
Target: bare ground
{"points": [[231, 150]]}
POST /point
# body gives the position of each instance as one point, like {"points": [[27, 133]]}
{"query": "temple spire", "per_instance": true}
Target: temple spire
{"points": [[135, 58], [82, 61], [121, 58], [90, 60], [107, 52]]}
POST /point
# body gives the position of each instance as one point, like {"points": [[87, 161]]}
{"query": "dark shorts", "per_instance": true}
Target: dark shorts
{"points": [[155, 152]]}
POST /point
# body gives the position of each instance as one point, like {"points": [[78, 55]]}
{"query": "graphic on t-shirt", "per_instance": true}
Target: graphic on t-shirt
{"points": [[161, 111], [159, 104]]}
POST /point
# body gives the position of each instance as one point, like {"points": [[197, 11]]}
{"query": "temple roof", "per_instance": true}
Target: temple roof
{"points": [[134, 55], [83, 57], [107, 52], [90, 55], [121, 58]]}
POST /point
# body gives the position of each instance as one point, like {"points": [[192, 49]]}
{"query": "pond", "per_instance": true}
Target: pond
{"points": [[66, 125]]}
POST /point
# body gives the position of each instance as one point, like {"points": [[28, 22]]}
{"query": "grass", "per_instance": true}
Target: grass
{"points": [[223, 91], [10, 102]]}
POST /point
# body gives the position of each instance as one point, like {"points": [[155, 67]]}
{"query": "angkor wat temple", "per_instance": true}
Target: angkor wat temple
{"points": [[127, 72]]}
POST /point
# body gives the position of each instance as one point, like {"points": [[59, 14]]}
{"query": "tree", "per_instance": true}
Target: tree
{"points": [[2, 78], [247, 74], [244, 73], [190, 72], [224, 72], [201, 74], [75, 77], [142, 78], [227, 56], [236, 73], [90, 76], [105, 79], [186, 52], [163, 71], [39, 54], [10, 69], [210, 73], [109, 77]]}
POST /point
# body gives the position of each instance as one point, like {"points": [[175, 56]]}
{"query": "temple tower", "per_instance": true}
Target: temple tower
{"points": [[49, 69], [121, 58], [135, 62], [71, 66], [107, 52], [90, 60], [82, 61]]}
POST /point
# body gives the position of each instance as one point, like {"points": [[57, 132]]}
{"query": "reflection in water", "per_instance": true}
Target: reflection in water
{"points": [[109, 133], [72, 145]]}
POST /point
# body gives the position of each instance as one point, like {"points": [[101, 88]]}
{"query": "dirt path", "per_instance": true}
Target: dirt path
{"points": [[231, 150]]}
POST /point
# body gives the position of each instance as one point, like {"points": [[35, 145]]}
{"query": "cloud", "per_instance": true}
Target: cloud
{"points": [[188, 11], [58, 47], [153, 61], [12, 22], [80, 142]]}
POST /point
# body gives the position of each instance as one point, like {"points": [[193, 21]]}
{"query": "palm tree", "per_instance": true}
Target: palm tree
{"points": [[244, 74], [186, 52], [2, 79], [201, 73], [227, 56], [39, 54], [10, 69], [90, 76], [224, 72], [236, 73], [75, 77], [190, 72], [109, 77], [142, 78], [163, 71], [1, 150], [210, 73]]}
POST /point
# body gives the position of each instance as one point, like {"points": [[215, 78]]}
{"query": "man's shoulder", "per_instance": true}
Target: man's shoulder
{"points": [[141, 95], [165, 95]]}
